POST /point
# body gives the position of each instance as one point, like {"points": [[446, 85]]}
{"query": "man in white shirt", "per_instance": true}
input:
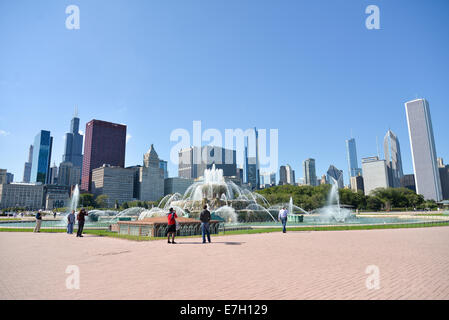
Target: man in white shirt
{"points": [[282, 217]]}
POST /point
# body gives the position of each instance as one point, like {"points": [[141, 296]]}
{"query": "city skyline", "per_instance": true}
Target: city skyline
{"points": [[32, 100], [350, 148]]}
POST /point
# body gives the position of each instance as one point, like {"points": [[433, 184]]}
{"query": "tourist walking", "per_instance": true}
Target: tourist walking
{"points": [[37, 228], [54, 214], [81, 218], [205, 227], [282, 217], [171, 225], [70, 222]]}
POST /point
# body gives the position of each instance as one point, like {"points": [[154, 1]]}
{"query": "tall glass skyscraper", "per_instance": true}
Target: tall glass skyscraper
{"points": [[310, 172], [422, 145], [335, 176], [393, 159], [163, 165], [251, 167], [73, 144], [351, 155], [40, 167], [27, 166]]}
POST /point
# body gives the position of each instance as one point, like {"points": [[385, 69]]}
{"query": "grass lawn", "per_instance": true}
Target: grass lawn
{"points": [[106, 233]]}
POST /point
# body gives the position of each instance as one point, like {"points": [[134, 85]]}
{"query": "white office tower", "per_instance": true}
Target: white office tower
{"points": [[422, 143], [375, 174]]}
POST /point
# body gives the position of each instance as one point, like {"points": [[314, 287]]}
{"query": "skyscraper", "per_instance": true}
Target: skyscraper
{"points": [[105, 143], [310, 172], [282, 175], [68, 175], [444, 177], [73, 144], [335, 176], [40, 167], [393, 159], [251, 166], [422, 145], [164, 166], [351, 155], [27, 167], [286, 175], [375, 174], [151, 177], [194, 160], [268, 179], [53, 174]]}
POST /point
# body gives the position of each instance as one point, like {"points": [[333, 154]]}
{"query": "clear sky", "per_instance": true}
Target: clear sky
{"points": [[308, 68]]}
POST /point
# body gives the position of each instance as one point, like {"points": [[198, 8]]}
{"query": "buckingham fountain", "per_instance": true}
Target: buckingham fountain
{"points": [[227, 202], [230, 205]]}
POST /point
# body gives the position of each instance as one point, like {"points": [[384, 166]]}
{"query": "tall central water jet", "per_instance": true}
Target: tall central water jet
{"points": [[333, 210], [75, 199], [217, 192]]}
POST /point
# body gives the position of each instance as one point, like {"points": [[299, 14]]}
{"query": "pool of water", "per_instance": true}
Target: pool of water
{"points": [[315, 220], [309, 220]]}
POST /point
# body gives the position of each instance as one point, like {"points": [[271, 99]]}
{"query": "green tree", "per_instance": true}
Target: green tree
{"points": [[373, 203], [124, 206], [101, 201], [87, 200]]}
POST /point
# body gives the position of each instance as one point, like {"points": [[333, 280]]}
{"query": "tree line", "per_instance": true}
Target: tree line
{"points": [[310, 198]]}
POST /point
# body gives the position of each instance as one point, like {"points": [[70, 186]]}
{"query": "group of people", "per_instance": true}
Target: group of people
{"points": [[172, 223], [81, 217], [205, 225]]}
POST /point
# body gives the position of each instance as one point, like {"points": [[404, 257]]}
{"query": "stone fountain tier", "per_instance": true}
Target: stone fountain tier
{"points": [[157, 226], [195, 206]]}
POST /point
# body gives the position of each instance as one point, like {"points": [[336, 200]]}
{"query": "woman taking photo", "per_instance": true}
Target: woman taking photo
{"points": [[171, 225]]}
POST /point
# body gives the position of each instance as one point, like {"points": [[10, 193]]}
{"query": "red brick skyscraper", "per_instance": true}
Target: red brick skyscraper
{"points": [[105, 143]]}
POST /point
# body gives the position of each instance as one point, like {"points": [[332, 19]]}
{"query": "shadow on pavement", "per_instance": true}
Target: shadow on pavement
{"points": [[222, 242]]}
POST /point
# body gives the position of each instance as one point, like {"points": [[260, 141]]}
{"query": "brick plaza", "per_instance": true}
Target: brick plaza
{"points": [[413, 264]]}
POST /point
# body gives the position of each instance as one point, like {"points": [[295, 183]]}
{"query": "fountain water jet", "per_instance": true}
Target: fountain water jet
{"points": [[75, 199], [333, 210]]}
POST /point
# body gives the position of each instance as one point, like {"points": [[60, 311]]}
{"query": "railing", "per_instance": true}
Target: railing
{"points": [[51, 224]]}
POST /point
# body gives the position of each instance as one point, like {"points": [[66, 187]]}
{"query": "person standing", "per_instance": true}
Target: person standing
{"points": [[81, 218], [70, 222], [283, 213], [54, 214], [171, 225], [205, 227], [37, 228]]}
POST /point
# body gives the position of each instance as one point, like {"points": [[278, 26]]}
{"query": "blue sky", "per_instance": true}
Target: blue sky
{"points": [[308, 68]]}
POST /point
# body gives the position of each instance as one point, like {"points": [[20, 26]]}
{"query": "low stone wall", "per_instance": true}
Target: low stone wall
{"points": [[157, 227]]}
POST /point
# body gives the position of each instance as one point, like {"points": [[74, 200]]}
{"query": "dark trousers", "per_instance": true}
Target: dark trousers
{"points": [[80, 228], [205, 230], [284, 223]]}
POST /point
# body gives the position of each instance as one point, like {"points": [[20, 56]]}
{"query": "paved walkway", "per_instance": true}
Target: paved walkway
{"points": [[412, 264]]}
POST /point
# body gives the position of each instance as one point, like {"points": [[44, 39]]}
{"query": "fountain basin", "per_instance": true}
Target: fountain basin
{"points": [[157, 227], [295, 218]]}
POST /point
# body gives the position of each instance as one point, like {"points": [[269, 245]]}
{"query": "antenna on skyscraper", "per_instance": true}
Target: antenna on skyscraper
{"points": [[377, 144], [75, 114]]}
